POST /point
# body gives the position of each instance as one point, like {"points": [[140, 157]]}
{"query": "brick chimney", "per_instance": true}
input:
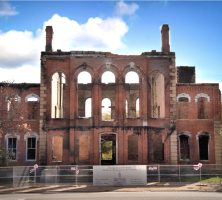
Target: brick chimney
{"points": [[165, 38], [49, 35]]}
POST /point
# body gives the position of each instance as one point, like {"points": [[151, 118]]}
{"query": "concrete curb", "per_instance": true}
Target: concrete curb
{"points": [[159, 187]]}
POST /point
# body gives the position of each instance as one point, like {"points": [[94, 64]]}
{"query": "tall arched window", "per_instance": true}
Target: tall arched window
{"points": [[202, 108], [12, 146], [31, 146], [157, 95], [137, 107], [57, 95], [32, 101], [88, 107], [132, 77], [108, 77], [183, 105], [13, 106], [204, 146], [132, 89], [84, 94], [106, 109], [126, 108], [84, 77], [184, 147]]}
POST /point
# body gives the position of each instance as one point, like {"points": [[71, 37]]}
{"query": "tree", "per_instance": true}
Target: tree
{"points": [[12, 114]]}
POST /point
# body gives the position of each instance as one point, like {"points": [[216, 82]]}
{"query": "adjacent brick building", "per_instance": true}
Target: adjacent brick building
{"points": [[104, 108]]}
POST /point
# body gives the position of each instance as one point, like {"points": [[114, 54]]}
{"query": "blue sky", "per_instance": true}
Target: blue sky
{"points": [[124, 27]]}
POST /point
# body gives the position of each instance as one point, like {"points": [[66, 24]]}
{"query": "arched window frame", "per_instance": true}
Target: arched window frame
{"points": [[57, 106], [128, 80], [126, 108], [183, 95], [109, 110], [27, 136], [188, 135], [11, 136], [105, 80], [204, 95], [90, 107], [31, 96], [157, 107], [138, 107], [198, 136], [87, 74]]}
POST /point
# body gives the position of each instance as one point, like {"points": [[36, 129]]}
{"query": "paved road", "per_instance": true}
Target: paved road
{"points": [[117, 196]]}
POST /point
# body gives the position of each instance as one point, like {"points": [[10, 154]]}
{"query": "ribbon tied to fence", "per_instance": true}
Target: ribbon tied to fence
{"points": [[35, 167], [76, 169], [198, 166]]}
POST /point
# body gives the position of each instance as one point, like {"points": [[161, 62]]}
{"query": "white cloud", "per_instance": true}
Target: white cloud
{"points": [[22, 48], [6, 9], [95, 34], [25, 73], [123, 8], [19, 48]]}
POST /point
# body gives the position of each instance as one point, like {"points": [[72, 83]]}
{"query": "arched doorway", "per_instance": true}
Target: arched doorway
{"points": [[108, 149]]}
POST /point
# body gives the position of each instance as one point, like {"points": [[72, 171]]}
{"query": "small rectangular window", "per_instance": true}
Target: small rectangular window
{"points": [[31, 148], [12, 148]]}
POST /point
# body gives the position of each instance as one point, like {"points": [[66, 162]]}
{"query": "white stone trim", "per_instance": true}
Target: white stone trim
{"points": [[186, 133], [31, 135], [11, 135], [202, 95], [31, 96], [203, 133], [183, 95]]}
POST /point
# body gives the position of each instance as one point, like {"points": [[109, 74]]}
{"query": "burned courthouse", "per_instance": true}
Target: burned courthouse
{"points": [[99, 108]]}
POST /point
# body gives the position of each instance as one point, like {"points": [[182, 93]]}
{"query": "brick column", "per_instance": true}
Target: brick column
{"points": [[173, 137], [43, 105], [218, 142]]}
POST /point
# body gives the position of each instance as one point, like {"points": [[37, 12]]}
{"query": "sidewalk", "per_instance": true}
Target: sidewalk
{"points": [[151, 187]]}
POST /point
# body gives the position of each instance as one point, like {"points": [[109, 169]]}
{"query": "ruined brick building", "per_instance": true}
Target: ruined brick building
{"points": [[104, 108]]}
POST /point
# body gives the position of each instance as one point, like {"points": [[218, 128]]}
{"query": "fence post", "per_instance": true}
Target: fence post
{"points": [[200, 176], [179, 173], [159, 173]]}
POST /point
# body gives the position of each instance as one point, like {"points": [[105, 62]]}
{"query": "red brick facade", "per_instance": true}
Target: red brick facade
{"points": [[152, 120]]}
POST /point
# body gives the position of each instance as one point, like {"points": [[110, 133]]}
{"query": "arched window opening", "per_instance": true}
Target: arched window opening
{"points": [[203, 147], [88, 107], [184, 147], [57, 95], [106, 109], [31, 145], [13, 108], [84, 77], [132, 77], [137, 107], [32, 106], [158, 96], [202, 108], [12, 146], [183, 99], [31, 97], [183, 107], [108, 77], [126, 108]]}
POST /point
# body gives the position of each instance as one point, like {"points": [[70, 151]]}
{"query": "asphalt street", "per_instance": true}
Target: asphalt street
{"points": [[116, 196]]}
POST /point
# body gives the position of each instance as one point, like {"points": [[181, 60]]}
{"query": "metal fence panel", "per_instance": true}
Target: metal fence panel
{"points": [[18, 176]]}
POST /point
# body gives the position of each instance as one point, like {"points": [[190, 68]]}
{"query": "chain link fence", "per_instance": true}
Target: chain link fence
{"points": [[19, 176]]}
